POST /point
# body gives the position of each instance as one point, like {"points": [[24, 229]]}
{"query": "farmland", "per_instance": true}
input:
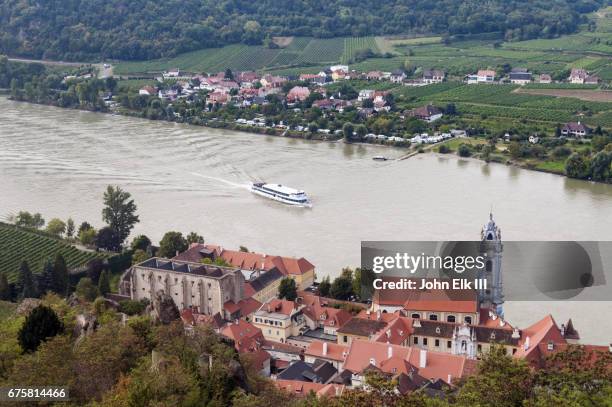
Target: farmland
{"points": [[17, 244]]}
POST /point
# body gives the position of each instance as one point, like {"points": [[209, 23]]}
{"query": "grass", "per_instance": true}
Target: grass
{"points": [[558, 167], [18, 244]]}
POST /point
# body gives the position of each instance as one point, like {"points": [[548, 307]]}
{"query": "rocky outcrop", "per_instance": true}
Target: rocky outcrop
{"points": [[27, 305], [84, 325], [163, 309]]}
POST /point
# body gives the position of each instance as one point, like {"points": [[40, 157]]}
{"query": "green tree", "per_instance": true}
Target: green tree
{"points": [[287, 289], [70, 227], [347, 130], [244, 249], [5, 288], [514, 149], [87, 237], [60, 272], [193, 237], [577, 166], [25, 282], [41, 324], [464, 150], [47, 279], [107, 239], [342, 288], [325, 287], [361, 131], [104, 283], [139, 256], [141, 242], [501, 381], [119, 212], [86, 289], [171, 244], [56, 227], [601, 169]]}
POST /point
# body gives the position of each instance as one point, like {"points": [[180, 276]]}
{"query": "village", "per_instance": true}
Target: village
{"points": [[314, 100], [426, 340]]}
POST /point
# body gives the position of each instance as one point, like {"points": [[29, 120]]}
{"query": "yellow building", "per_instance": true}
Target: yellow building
{"points": [[280, 319]]}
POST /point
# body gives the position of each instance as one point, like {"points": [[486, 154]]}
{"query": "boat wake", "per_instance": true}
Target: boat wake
{"points": [[223, 181]]}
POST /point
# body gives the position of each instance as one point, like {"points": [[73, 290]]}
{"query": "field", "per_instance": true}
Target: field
{"points": [[17, 244], [582, 94]]}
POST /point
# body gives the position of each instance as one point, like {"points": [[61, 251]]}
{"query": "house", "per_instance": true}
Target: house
{"points": [[245, 336], [519, 76], [308, 77], [300, 270], [433, 76], [192, 318], [591, 80], [576, 130], [533, 139], [577, 76], [340, 68], [374, 75], [147, 91], [263, 285], [397, 76], [242, 309], [328, 318], [365, 94], [482, 76], [338, 75], [272, 81], [320, 371], [217, 97], [323, 104], [359, 328], [298, 94], [363, 355], [204, 286], [427, 113], [298, 388], [545, 78], [280, 319], [323, 350]]}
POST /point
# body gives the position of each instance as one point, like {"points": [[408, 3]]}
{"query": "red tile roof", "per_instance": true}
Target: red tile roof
{"points": [[249, 260], [334, 351], [438, 365], [542, 331], [245, 336], [280, 306], [303, 389]]}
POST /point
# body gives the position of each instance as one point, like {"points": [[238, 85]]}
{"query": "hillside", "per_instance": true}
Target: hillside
{"points": [[17, 244], [145, 29]]}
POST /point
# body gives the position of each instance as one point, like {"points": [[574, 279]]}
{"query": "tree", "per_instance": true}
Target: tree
{"points": [[287, 289], [108, 239], [60, 273], [361, 131], [26, 219], [119, 212], [84, 226], [347, 130], [104, 283], [342, 288], [5, 288], [56, 227], [70, 227], [193, 237], [40, 325], [86, 289], [47, 281], [171, 244], [25, 282], [229, 75], [324, 287], [600, 166], [464, 150], [244, 249], [87, 237], [141, 242], [139, 256], [514, 149], [577, 166]]}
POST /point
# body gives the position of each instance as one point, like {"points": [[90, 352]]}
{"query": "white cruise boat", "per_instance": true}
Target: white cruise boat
{"points": [[281, 193]]}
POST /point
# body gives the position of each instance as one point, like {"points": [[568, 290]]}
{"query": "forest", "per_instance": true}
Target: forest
{"points": [[144, 29]]}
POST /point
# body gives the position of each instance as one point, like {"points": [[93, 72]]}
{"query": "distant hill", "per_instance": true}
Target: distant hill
{"points": [[18, 244], [148, 29]]}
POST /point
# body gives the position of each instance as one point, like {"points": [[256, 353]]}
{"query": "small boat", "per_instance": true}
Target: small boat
{"points": [[379, 158], [281, 193]]}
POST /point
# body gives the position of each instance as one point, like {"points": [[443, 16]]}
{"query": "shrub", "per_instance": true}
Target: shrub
{"points": [[132, 307], [443, 149], [464, 150]]}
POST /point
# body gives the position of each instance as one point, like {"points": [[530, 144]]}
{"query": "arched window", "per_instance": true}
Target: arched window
{"points": [[468, 320], [450, 318]]}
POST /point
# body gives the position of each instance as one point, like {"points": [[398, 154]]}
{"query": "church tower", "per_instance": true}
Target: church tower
{"points": [[491, 247]]}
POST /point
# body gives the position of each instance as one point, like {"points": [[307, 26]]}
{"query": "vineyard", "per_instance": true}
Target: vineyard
{"points": [[354, 45], [17, 244], [321, 50]]}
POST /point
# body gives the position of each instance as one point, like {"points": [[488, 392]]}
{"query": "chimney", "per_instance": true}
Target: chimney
{"points": [[502, 322], [177, 252], [450, 379], [526, 345], [422, 358], [324, 348], [515, 333], [389, 352], [378, 315], [610, 348]]}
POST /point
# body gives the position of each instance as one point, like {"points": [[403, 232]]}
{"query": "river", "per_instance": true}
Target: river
{"points": [[58, 162]]}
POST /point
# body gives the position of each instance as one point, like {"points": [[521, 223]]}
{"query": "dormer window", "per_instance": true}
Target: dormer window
{"points": [[492, 335], [438, 330]]}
